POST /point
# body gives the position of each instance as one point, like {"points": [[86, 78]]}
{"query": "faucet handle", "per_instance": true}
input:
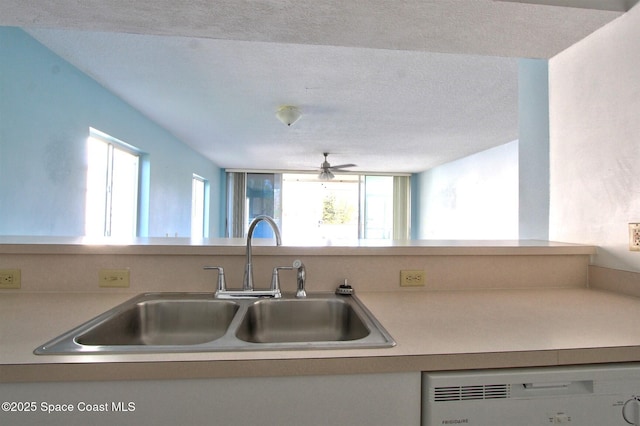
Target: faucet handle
{"points": [[275, 278], [222, 283], [297, 266], [301, 278]]}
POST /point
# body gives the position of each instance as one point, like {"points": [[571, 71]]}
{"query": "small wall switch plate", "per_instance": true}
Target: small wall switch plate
{"points": [[413, 278], [118, 278], [9, 279], [634, 236]]}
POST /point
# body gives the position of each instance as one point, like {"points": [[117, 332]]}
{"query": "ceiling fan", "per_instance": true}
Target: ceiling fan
{"points": [[326, 168]]}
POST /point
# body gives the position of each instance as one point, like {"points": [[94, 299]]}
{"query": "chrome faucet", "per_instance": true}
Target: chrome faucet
{"points": [[247, 283], [247, 290]]}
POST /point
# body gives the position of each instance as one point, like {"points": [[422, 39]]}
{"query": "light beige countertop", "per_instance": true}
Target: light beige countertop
{"points": [[434, 330]]}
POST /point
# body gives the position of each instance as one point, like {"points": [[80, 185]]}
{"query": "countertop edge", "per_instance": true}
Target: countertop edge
{"points": [[266, 248], [256, 368]]}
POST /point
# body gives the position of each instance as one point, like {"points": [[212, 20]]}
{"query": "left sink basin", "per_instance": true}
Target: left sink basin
{"points": [[162, 322], [150, 319]]}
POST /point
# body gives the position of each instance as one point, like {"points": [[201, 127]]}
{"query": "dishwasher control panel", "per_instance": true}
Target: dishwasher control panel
{"points": [[581, 396]]}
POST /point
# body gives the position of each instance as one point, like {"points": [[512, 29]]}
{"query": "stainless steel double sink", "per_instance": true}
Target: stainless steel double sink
{"points": [[196, 322]]}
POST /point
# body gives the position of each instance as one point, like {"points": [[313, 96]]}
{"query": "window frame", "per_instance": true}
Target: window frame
{"points": [[201, 208], [113, 145]]}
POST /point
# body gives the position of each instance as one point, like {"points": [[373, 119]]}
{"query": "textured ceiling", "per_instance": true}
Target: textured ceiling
{"points": [[390, 86]]}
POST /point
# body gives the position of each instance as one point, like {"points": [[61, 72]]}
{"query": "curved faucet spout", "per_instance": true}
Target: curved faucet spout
{"points": [[247, 283]]}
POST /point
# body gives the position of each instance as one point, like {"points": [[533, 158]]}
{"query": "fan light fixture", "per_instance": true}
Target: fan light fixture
{"points": [[326, 175], [325, 168], [288, 114]]}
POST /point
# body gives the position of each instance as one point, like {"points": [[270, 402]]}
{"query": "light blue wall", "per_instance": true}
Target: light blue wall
{"points": [[533, 128], [46, 109]]}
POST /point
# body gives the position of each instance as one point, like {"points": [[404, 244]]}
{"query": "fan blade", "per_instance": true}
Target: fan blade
{"points": [[342, 166]]}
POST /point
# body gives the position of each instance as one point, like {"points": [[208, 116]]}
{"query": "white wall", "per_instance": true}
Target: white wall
{"points": [[595, 141], [472, 198]]}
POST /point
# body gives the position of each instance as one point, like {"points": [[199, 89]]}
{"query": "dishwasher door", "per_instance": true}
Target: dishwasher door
{"points": [[601, 395]]}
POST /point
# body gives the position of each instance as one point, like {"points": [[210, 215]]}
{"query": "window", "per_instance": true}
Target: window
{"points": [[263, 198], [348, 207], [199, 187], [113, 169], [320, 210], [378, 207]]}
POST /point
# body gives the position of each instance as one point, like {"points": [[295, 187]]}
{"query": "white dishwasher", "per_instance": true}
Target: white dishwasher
{"points": [[598, 395]]}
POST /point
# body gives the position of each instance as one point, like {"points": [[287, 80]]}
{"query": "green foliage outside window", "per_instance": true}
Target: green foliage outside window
{"points": [[336, 212]]}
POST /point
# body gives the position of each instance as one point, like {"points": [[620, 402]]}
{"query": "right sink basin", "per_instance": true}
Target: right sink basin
{"points": [[301, 320]]}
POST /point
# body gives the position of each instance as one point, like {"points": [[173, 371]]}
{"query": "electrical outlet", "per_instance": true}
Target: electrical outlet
{"points": [[9, 279], [634, 236], [114, 278], [413, 278]]}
